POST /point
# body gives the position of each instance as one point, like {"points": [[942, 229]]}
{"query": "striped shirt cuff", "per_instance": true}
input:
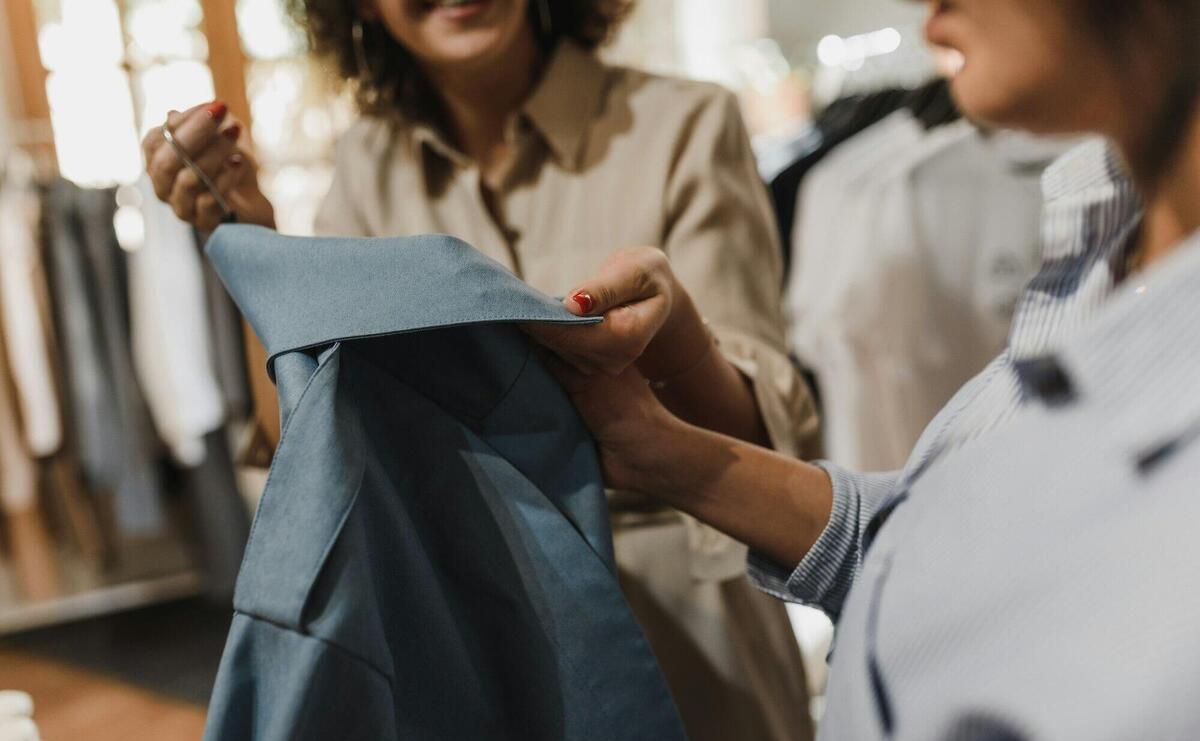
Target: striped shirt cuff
{"points": [[823, 578]]}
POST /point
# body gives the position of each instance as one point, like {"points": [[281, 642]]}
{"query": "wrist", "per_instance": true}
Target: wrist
{"points": [[254, 208], [656, 463], [682, 343]]}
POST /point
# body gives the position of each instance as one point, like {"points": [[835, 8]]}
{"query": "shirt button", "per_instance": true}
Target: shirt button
{"points": [[1044, 378]]}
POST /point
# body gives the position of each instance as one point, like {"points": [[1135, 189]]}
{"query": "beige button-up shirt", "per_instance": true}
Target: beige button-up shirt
{"points": [[604, 158]]}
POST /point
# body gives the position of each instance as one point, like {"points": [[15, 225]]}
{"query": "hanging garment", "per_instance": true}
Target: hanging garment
{"points": [[912, 247], [931, 104], [112, 429], [431, 557], [33, 561], [26, 317], [18, 470], [168, 310], [219, 518]]}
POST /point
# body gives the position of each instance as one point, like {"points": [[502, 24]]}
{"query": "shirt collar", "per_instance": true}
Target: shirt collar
{"points": [[1138, 362], [560, 109], [566, 100], [1091, 210]]}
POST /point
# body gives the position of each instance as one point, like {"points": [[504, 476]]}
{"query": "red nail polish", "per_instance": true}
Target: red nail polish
{"points": [[584, 302], [216, 110], [235, 160], [232, 133]]}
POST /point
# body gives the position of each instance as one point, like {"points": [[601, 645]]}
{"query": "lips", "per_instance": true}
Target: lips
{"points": [[450, 3]]}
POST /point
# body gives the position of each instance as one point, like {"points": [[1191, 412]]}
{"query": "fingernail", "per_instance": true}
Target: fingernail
{"points": [[216, 110], [235, 160], [233, 132], [583, 301]]}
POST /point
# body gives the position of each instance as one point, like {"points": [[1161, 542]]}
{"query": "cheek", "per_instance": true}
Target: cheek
{"points": [[403, 20], [1021, 92]]}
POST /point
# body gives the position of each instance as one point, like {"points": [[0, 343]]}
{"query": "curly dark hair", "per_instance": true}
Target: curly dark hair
{"points": [[392, 83]]}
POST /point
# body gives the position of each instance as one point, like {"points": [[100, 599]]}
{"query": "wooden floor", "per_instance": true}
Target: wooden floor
{"points": [[70, 704]]}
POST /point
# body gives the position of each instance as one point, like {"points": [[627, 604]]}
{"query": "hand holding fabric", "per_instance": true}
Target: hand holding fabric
{"points": [[215, 142], [649, 320]]}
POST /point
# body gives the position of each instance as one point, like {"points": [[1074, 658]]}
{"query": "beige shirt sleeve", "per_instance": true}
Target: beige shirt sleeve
{"points": [[723, 246]]}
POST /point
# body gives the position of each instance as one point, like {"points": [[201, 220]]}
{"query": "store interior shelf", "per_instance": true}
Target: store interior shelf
{"points": [[99, 601]]}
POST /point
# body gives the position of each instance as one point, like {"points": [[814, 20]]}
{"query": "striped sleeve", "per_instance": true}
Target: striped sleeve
{"points": [[824, 577]]}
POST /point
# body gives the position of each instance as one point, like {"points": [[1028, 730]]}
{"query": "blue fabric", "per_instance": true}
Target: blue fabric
{"points": [[431, 558]]}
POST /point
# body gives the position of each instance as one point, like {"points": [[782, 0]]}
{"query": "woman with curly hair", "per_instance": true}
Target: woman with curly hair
{"points": [[494, 121]]}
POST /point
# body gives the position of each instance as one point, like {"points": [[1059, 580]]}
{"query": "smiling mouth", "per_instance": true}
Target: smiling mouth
{"points": [[430, 4]]}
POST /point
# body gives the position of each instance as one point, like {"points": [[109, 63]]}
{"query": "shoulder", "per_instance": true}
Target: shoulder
{"points": [[672, 102], [368, 140]]}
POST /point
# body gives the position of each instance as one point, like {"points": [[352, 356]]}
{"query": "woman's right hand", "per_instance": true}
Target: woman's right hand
{"points": [[215, 140]]}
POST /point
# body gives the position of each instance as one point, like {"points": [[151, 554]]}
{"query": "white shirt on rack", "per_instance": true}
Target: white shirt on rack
{"points": [[911, 248], [25, 335], [171, 334]]}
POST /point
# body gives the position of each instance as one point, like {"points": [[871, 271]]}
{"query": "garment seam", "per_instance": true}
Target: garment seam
{"points": [[323, 641], [483, 319], [250, 539], [574, 665]]}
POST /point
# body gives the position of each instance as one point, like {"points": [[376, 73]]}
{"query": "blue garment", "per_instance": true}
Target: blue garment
{"points": [[431, 558]]}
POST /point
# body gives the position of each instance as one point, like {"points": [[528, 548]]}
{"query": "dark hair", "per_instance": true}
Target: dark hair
{"points": [[1158, 38], [392, 83]]}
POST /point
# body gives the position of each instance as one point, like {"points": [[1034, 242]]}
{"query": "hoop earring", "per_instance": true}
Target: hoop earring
{"points": [[360, 51], [544, 18]]}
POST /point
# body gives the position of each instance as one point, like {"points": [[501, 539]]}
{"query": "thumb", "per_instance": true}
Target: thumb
{"points": [[623, 280]]}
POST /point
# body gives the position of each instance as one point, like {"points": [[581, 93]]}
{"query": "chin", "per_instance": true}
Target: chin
{"points": [[468, 48], [982, 100]]}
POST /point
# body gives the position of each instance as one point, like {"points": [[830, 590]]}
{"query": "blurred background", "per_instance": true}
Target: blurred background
{"points": [[114, 585], [84, 79]]}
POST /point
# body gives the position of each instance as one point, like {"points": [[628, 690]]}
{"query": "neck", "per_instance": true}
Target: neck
{"points": [[480, 101], [1173, 202]]}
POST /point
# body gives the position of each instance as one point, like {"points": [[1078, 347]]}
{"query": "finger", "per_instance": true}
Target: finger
{"points": [[184, 207], [211, 161], [209, 213], [195, 128], [563, 342], [154, 138], [628, 276], [192, 130]]}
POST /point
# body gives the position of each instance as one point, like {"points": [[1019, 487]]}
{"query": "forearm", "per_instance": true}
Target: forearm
{"points": [[697, 383], [776, 505]]}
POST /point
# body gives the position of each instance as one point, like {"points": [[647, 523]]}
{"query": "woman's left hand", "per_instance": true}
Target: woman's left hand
{"points": [[635, 291]]}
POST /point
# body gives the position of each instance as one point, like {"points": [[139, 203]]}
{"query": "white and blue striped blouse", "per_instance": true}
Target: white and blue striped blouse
{"points": [[1033, 572]]}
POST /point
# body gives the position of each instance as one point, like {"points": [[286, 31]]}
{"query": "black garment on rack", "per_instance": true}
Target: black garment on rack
{"points": [[842, 120]]}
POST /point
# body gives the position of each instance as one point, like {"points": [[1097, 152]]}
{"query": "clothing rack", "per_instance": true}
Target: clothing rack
{"points": [[100, 601], [77, 581]]}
